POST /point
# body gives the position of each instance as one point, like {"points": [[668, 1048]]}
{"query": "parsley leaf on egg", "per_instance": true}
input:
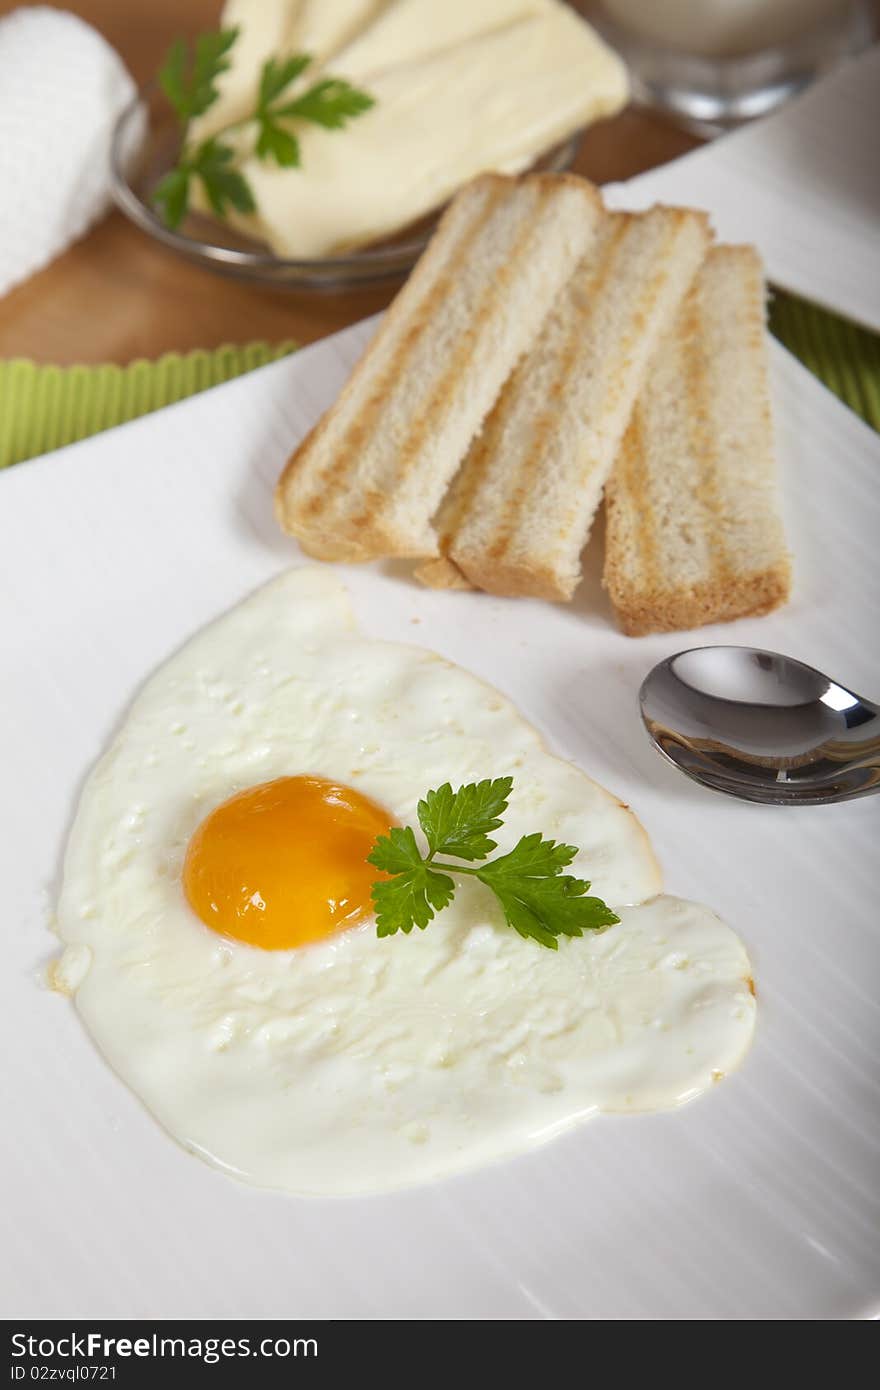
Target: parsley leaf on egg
{"points": [[457, 822], [409, 898], [538, 900]]}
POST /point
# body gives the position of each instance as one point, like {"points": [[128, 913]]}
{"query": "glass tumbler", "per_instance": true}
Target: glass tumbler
{"points": [[717, 63]]}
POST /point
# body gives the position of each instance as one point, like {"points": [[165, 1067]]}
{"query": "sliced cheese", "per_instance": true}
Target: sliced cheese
{"points": [[408, 30], [277, 28], [493, 103]]}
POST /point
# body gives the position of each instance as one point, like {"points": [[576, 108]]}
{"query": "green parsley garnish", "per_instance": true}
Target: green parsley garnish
{"points": [[190, 84], [538, 900], [189, 81]]}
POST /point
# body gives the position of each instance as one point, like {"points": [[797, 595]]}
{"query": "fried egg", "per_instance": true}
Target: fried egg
{"points": [[221, 947]]}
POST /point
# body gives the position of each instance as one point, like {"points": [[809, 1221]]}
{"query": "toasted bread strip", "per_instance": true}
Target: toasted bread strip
{"points": [[693, 528], [517, 517], [370, 476]]}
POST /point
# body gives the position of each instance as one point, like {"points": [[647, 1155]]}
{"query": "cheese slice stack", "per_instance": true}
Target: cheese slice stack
{"points": [[459, 88]]}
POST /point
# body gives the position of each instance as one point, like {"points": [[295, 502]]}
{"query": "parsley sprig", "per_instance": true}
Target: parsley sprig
{"points": [[189, 81], [538, 900]]}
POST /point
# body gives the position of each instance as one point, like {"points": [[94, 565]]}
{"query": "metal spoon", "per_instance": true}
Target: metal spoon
{"points": [[762, 727]]}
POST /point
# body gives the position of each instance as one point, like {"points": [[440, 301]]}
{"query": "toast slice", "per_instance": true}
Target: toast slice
{"points": [[693, 530], [370, 476], [519, 513]]}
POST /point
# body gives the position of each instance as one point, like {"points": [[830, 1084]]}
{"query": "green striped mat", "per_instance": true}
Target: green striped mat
{"points": [[42, 408], [842, 355]]}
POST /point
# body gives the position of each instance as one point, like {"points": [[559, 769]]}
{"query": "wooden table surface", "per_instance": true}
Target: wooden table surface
{"points": [[116, 295]]}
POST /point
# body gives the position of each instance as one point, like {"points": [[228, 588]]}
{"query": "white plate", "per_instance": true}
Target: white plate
{"points": [[757, 1201]]}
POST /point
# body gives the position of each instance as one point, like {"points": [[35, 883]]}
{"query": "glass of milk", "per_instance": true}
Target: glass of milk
{"points": [[716, 63]]}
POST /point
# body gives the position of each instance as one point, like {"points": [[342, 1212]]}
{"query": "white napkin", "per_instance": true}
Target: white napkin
{"points": [[61, 88], [802, 185]]}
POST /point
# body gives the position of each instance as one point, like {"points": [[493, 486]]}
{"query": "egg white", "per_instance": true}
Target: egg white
{"points": [[359, 1064]]}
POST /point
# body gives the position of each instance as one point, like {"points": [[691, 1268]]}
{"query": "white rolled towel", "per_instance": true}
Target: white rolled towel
{"points": [[62, 87]]}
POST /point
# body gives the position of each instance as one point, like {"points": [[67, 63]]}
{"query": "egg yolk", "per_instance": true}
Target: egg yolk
{"points": [[284, 863]]}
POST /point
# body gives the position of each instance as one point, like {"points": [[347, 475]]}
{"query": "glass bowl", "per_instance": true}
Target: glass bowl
{"points": [[145, 144]]}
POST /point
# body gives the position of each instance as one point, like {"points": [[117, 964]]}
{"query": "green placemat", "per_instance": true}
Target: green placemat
{"points": [[842, 355], [42, 408]]}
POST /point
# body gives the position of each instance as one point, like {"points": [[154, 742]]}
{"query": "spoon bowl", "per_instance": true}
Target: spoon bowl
{"points": [[762, 727]]}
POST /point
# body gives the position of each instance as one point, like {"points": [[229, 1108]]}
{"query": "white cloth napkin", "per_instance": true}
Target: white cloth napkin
{"points": [[61, 88], [803, 185]]}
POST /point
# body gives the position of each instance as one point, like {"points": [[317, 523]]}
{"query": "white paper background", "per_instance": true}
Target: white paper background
{"points": [[758, 1201], [802, 185]]}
